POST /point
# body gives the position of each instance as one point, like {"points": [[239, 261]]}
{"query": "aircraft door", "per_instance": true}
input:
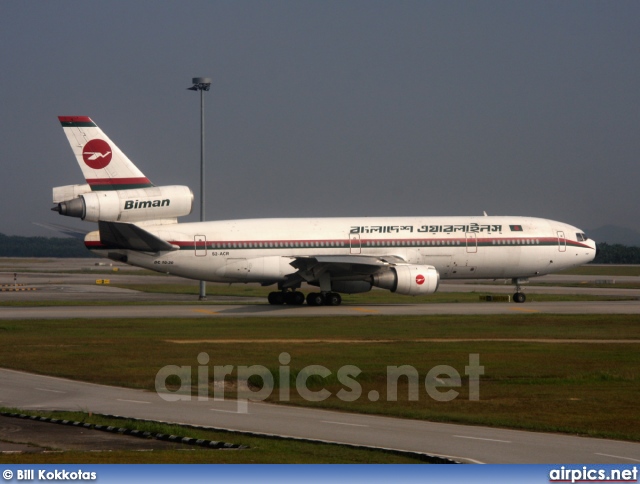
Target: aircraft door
{"points": [[562, 242], [354, 244], [200, 245], [472, 242]]}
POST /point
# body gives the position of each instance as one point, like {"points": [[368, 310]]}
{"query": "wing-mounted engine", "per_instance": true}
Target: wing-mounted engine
{"points": [[410, 280], [131, 205]]}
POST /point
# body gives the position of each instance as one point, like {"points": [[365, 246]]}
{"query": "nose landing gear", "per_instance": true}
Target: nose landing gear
{"points": [[519, 296]]}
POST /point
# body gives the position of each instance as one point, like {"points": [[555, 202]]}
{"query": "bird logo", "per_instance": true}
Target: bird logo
{"points": [[97, 154]]}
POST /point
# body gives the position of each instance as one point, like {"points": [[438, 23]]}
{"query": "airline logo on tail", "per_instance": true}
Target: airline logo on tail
{"points": [[104, 166], [96, 154]]}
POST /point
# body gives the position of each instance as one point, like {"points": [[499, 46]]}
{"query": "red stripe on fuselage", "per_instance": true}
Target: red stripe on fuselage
{"points": [[370, 243], [399, 243], [93, 244]]}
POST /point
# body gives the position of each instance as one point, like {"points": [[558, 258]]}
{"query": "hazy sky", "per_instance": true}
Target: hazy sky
{"points": [[332, 108]]}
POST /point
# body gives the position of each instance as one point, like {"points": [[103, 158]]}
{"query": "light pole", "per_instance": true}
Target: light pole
{"points": [[201, 84]]}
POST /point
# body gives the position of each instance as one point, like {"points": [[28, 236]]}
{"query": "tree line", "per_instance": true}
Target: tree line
{"points": [[617, 254], [19, 246]]}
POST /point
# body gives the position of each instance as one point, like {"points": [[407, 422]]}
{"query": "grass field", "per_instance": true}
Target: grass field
{"points": [[259, 449], [608, 285], [604, 270], [243, 291], [375, 296], [575, 374]]}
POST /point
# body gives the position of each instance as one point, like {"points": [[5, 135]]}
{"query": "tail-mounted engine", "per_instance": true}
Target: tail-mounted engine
{"points": [[410, 280], [132, 205]]}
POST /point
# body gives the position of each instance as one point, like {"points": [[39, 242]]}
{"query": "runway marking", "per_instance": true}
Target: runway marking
{"points": [[205, 311], [279, 341], [619, 457], [363, 310], [130, 401], [480, 438], [343, 423], [223, 411], [47, 390], [524, 310], [415, 340]]}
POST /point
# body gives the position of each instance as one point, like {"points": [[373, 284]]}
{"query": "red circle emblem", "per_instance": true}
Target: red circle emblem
{"points": [[419, 279], [97, 154]]}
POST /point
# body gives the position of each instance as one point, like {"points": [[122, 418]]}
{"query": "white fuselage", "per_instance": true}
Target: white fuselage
{"points": [[137, 224], [260, 250]]}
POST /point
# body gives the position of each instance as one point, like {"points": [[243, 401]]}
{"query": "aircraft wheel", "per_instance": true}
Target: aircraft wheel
{"points": [[333, 299], [298, 298], [315, 299], [294, 298], [519, 297], [276, 298]]}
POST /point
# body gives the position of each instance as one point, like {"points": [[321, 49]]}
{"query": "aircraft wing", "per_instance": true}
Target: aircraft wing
{"points": [[361, 263], [341, 267]]}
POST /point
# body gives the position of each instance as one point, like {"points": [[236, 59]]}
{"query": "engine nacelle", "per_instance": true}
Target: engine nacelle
{"points": [[133, 205], [410, 280], [69, 192]]}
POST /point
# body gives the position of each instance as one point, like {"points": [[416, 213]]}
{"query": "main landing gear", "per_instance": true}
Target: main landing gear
{"points": [[296, 298], [291, 298], [324, 299], [519, 296]]}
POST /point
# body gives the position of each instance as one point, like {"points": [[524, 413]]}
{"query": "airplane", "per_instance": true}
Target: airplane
{"points": [[138, 225]]}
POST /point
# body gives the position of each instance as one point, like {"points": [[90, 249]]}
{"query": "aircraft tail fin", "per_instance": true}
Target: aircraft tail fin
{"points": [[103, 164]]}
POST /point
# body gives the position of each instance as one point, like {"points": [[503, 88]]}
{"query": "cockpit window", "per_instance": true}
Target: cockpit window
{"points": [[581, 237]]}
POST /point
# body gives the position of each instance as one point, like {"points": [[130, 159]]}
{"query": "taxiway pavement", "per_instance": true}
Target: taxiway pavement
{"points": [[464, 443], [267, 311]]}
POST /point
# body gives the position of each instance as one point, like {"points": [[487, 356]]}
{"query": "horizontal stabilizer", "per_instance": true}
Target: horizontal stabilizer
{"points": [[119, 235]]}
